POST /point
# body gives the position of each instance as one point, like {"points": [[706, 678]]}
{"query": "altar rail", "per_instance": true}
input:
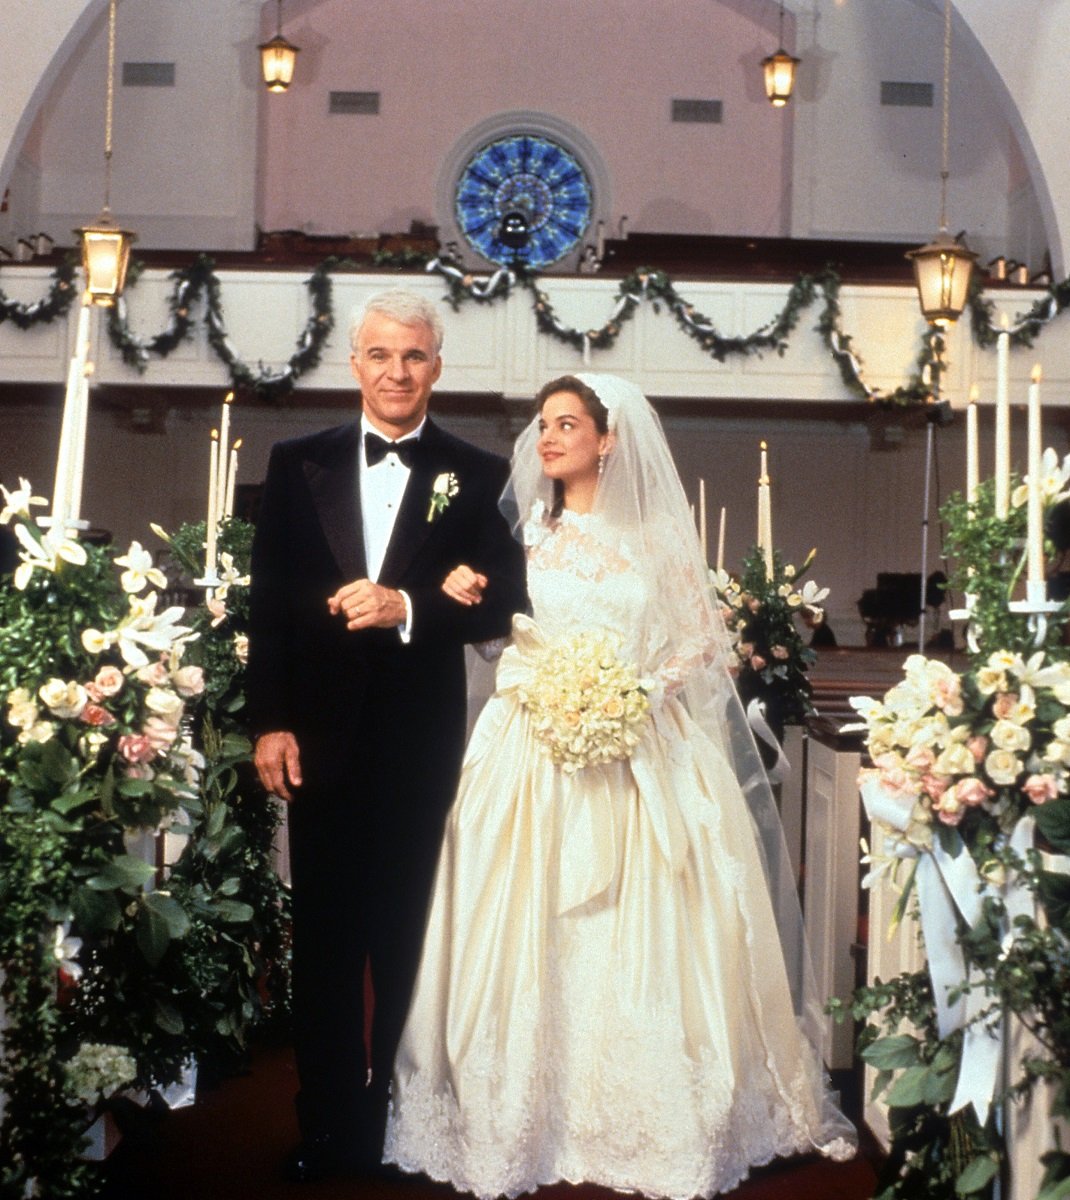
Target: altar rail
{"points": [[496, 348]]}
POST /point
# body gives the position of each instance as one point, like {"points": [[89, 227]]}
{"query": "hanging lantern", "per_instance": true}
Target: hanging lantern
{"points": [[278, 58], [106, 247], [779, 77], [779, 71], [942, 271], [105, 258]]}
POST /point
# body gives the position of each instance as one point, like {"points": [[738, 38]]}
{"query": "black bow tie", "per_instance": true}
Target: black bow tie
{"points": [[377, 448]]}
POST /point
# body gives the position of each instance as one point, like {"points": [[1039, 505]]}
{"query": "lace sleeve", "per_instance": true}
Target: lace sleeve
{"points": [[702, 645]]}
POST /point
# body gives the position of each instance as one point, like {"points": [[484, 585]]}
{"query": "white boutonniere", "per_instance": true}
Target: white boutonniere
{"points": [[443, 490]]}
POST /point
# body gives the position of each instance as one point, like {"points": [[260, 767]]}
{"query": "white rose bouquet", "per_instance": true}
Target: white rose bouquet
{"points": [[586, 705]]}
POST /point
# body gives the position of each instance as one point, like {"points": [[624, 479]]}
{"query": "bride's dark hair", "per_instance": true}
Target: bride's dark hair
{"points": [[596, 410]]}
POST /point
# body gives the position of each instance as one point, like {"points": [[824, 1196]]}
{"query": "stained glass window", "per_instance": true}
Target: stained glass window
{"points": [[528, 175]]}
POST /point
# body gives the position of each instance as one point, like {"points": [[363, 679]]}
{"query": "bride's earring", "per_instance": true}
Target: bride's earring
{"points": [[601, 465]]}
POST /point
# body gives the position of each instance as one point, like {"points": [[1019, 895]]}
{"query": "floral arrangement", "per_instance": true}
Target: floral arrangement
{"points": [[586, 705], [970, 786], [760, 611], [137, 903]]}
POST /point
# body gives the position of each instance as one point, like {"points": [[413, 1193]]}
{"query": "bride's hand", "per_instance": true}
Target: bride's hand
{"points": [[464, 585]]}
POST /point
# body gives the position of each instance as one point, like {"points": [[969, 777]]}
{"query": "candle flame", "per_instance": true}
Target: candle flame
{"points": [[215, 435], [1036, 373], [236, 444], [975, 392], [228, 398], [1004, 323], [763, 445]]}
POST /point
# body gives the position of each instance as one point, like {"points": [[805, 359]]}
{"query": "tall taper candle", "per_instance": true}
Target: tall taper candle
{"points": [[1035, 499], [702, 520], [972, 465], [212, 520], [232, 475], [1003, 419], [224, 447], [720, 541], [765, 515]]}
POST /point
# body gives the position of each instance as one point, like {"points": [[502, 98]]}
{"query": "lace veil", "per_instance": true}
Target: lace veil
{"points": [[642, 502]]}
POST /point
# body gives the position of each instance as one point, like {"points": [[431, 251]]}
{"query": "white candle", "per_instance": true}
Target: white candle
{"points": [[1035, 529], [1003, 420], [212, 520], [68, 436], [232, 475], [224, 443], [765, 515], [77, 462], [972, 466], [600, 240], [720, 541], [702, 520]]}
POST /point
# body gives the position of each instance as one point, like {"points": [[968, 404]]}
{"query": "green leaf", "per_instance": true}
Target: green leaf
{"points": [[95, 911], [976, 1175], [135, 787], [68, 801], [56, 762], [160, 920], [125, 872], [234, 910], [1054, 891], [890, 1053], [909, 1089], [1053, 821], [169, 1019]]}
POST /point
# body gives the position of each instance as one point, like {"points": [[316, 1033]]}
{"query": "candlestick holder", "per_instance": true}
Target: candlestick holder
{"points": [[1037, 607], [208, 580], [75, 523], [966, 614]]}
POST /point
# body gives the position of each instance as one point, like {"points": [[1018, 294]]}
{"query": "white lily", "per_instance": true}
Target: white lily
{"points": [[65, 950], [811, 593], [17, 503], [228, 576], [1054, 478], [144, 627], [44, 553], [139, 570]]}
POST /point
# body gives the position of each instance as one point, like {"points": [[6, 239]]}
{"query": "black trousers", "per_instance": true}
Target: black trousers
{"points": [[363, 854]]}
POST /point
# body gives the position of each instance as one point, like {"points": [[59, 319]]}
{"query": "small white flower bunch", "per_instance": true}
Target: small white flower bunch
{"points": [[445, 487], [98, 1071]]}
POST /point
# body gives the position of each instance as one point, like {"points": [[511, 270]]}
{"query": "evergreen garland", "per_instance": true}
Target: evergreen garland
{"points": [[199, 283]]}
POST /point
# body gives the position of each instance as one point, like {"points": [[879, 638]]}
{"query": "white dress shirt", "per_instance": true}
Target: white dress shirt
{"points": [[381, 490]]}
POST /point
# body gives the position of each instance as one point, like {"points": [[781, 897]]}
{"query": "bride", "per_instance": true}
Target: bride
{"points": [[613, 986]]}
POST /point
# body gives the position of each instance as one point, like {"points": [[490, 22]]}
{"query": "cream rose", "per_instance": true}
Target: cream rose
{"points": [[1008, 736], [1003, 767], [65, 700], [164, 703], [188, 681]]}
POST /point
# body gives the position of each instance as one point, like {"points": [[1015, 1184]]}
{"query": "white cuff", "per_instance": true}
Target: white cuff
{"points": [[405, 628]]}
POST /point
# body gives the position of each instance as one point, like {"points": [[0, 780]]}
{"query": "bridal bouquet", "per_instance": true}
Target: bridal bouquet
{"points": [[587, 706]]}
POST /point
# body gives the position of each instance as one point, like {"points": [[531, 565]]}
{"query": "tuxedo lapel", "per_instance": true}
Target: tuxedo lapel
{"points": [[333, 482], [412, 528]]}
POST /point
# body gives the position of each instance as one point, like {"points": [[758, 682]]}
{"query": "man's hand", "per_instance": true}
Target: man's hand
{"points": [[278, 763], [464, 585], [367, 605]]}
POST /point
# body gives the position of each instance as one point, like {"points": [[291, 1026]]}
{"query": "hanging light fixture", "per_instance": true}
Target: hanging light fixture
{"points": [[278, 58], [942, 269], [780, 71], [106, 247]]}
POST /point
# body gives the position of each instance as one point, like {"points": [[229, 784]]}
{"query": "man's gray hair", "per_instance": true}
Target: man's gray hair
{"points": [[403, 306]]}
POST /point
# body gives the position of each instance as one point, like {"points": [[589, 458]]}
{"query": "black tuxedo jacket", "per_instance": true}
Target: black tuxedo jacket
{"points": [[343, 692]]}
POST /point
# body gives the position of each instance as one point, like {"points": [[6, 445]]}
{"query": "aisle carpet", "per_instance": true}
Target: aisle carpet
{"points": [[228, 1146]]}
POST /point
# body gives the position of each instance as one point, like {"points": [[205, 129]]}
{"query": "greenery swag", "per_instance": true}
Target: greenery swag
{"points": [[199, 283], [140, 916]]}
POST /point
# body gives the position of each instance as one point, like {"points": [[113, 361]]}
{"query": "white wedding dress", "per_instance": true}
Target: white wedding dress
{"points": [[602, 995]]}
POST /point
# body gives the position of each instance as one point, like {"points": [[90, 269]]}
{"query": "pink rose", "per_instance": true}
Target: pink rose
{"points": [[972, 791], [947, 695], [934, 786], [218, 609], [139, 771], [921, 758], [188, 681], [94, 693], [155, 674], [1003, 705], [978, 747], [136, 748], [757, 662], [109, 680], [160, 734], [1041, 788], [901, 782], [94, 714]]}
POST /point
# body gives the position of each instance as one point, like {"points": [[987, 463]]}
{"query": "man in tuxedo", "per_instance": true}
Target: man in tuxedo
{"points": [[357, 700]]}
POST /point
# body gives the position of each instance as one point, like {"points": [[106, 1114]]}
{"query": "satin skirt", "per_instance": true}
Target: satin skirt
{"points": [[602, 995]]}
